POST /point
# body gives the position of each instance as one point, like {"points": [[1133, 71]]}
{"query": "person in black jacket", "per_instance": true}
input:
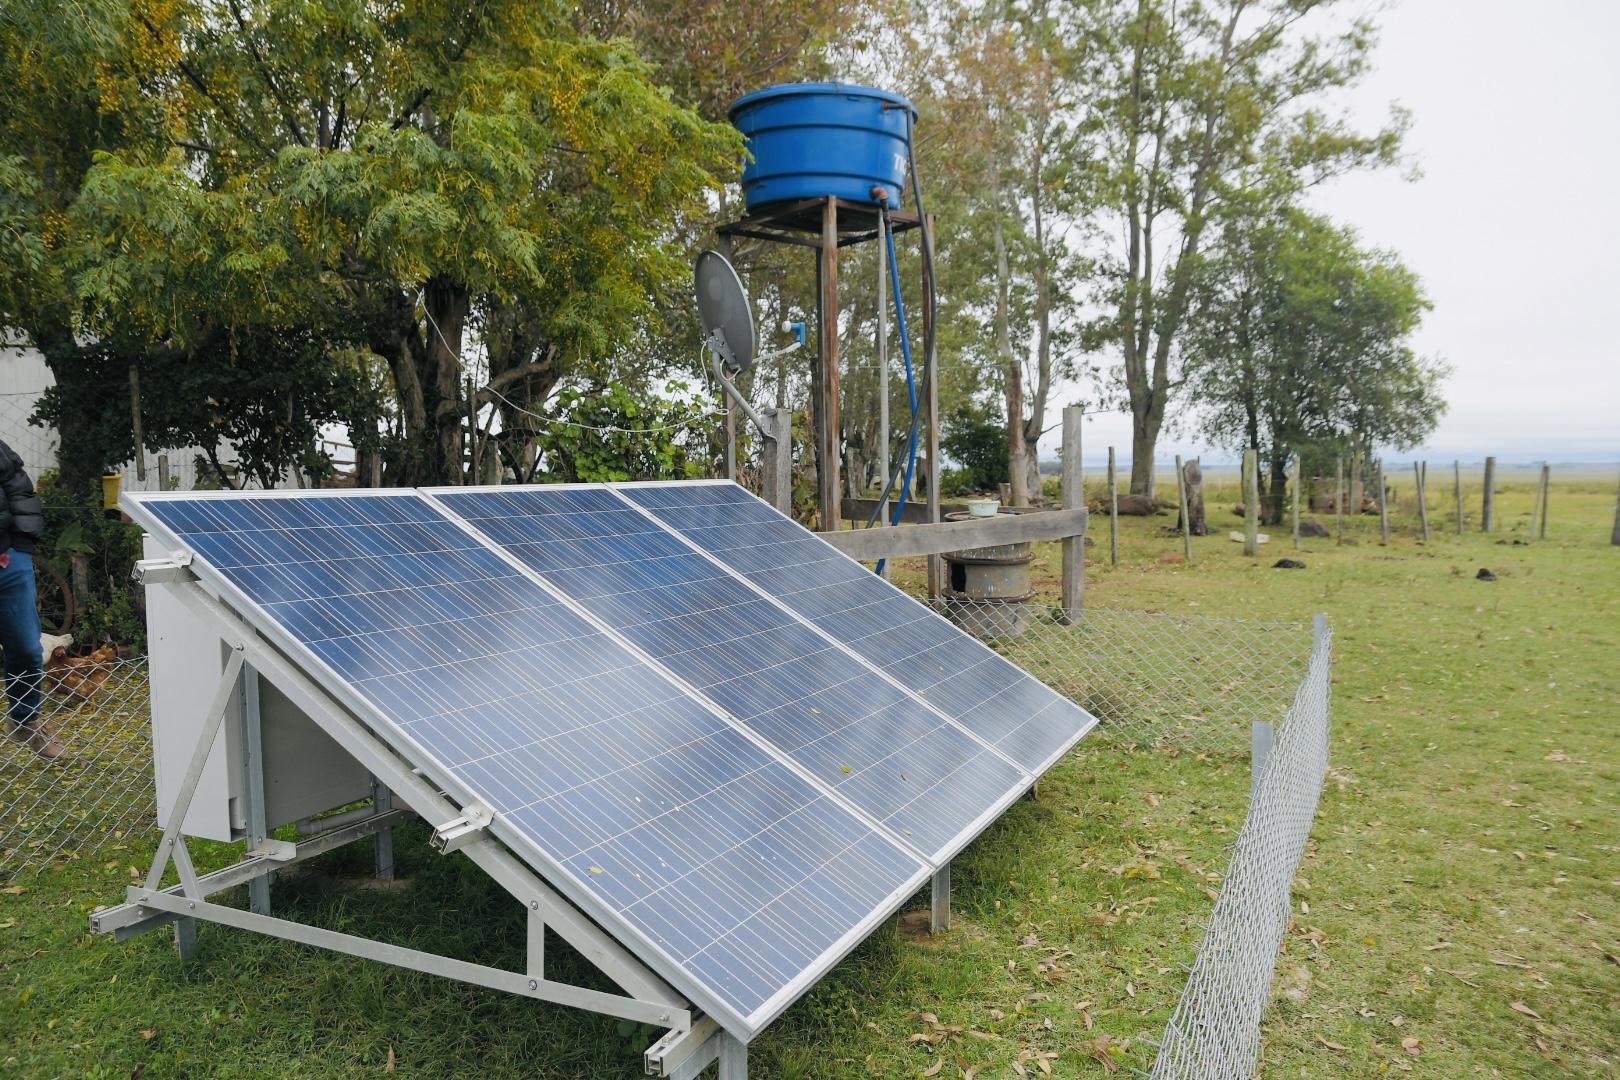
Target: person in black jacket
{"points": [[22, 522]]}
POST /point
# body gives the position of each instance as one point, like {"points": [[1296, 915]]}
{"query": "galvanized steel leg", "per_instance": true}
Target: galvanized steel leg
{"points": [[253, 784], [382, 801], [185, 938], [940, 913], [733, 1058], [537, 940]]}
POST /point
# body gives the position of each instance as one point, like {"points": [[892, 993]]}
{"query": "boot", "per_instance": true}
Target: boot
{"points": [[39, 739]]}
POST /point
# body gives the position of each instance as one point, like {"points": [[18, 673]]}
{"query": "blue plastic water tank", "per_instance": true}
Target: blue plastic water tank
{"points": [[814, 139]]}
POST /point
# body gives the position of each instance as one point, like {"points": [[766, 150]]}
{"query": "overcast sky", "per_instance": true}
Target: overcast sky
{"points": [[1514, 225]]}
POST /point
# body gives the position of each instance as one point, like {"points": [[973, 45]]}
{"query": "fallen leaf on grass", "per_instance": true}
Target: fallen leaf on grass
{"points": [[388, 1065], [1437, 946], [1330, 1044], [148, 1034], [1103, 1049], [933, 1070], [14, 890], [1412, 1046], [1521, 1007]]}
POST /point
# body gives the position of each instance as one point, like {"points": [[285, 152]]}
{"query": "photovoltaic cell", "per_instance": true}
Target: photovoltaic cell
{"points": [[898, 761], [956, 673], [742, 876]]}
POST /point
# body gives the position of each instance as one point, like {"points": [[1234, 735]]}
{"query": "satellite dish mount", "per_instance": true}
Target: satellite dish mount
{"points": [[728, 330]]}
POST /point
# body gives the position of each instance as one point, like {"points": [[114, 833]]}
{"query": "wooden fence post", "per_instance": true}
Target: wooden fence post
{"points": [[1457, 469], [1295, 485], [1546, 498], [1614, 537], [1423, 505], [1338, 502], [1074, 495], [1186, 517], [1113, 511], [1487, 513], [1251, 502], [163, 472], [776, 463], [1383, 507]]}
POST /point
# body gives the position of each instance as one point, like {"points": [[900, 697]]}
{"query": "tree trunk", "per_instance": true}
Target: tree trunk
{"points": [[446, 304], [1144, 440], [1014, 376], [1276, 495], [1358, 487]]}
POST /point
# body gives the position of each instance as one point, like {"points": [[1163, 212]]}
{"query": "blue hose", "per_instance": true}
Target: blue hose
{"points": [[911, 390]]}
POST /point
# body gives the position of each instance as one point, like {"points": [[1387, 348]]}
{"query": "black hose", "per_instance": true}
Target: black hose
{"points": [[932, 320]]}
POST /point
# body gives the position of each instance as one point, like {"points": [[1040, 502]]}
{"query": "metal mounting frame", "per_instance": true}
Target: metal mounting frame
{"points": [[692, 1041]]}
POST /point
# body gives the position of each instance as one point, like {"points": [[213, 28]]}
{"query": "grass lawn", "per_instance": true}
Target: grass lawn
{"points": [[1458, 912]]}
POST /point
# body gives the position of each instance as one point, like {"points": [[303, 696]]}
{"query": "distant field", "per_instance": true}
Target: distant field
{"points": [[1461, 895]]}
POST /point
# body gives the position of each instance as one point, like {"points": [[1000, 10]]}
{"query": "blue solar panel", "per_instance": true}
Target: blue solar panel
{"points": [[991, 697], [737, 875], [902, 763]]}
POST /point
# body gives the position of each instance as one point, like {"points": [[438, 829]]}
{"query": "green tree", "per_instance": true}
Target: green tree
{"points": [[606, 433], [1298, 339], [1188, 101], [431, 178]]}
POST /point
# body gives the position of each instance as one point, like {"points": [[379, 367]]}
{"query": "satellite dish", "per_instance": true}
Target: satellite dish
{"points": [[728, 321]]}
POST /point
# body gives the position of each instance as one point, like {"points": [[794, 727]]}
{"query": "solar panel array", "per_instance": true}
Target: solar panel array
{"points": [[672, 728]]}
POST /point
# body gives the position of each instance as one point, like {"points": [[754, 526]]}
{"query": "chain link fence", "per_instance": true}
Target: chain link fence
{"points": [[1191, 682], [99, 791], [1215, 1029], [1188, 682]]}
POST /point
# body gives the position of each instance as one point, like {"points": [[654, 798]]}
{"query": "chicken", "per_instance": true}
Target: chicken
{"points": [[79, 676]]}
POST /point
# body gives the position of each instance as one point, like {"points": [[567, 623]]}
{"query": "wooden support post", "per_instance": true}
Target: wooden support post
{"points": [[936, 571], [1456, 467], [776, 462], [1383, 507], [1535, 508], [1614, 537], [1251, 502], [1186, 517], [1074, 548], [1294, 497], [1487, 513], [135, 422], [1546, 498], [163, 472], [829, 421], [1338, 501], [1422, 499], [1113, 511]]}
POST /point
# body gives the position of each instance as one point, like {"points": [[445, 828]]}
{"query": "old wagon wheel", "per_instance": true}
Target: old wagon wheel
{"points": [[53, 596]]}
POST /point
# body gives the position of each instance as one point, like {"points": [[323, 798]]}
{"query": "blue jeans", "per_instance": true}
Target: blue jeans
{"points": [[19, 639]]}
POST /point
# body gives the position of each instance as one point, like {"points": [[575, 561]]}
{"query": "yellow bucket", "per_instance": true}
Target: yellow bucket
{"points": [[110, 484]]}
